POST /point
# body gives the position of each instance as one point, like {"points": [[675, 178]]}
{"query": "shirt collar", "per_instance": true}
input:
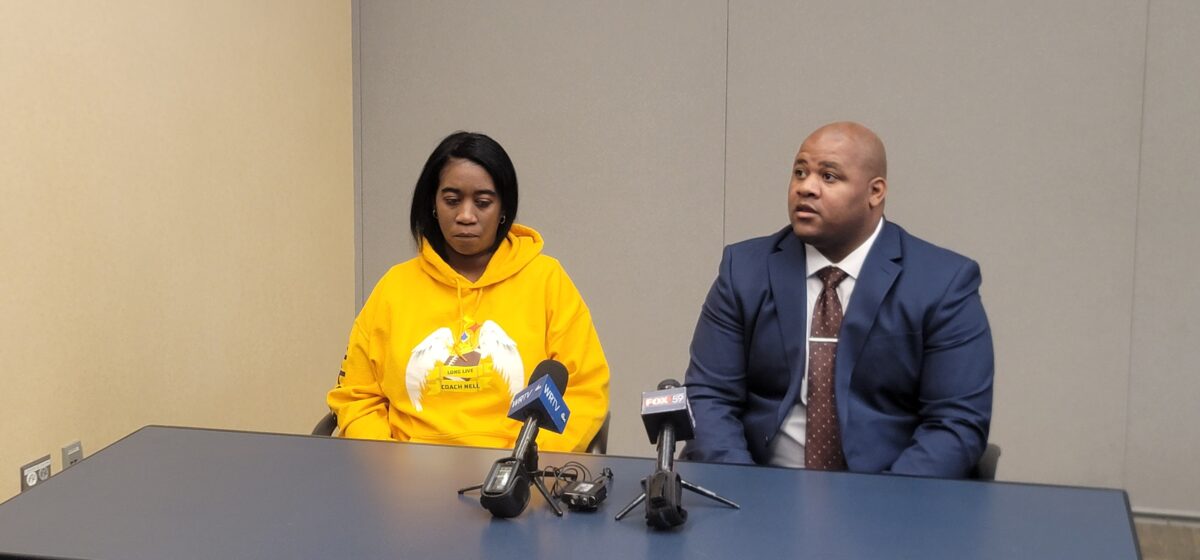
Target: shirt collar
{"points": [[851, 265]]}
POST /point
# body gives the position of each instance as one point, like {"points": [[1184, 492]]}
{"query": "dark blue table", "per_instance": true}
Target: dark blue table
{"points": [[183, 493]]}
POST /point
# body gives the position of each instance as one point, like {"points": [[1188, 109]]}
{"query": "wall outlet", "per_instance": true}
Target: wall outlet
{"points": [[71, 453], [35, 472]]}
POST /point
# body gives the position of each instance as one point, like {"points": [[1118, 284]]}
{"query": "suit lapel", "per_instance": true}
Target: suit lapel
{"points": [[785, 268], [879, 271]]}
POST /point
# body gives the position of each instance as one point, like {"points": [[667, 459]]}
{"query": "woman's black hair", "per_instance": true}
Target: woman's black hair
{"points": [[486, 153]]}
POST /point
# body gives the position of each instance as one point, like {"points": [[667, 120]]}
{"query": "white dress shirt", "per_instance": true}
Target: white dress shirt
{"points": [[787, 449]]}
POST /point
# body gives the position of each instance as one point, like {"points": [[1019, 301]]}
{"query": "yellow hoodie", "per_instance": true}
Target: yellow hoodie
{"points": [[436, 358]]}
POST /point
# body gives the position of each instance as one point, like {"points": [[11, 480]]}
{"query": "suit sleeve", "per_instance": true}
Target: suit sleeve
{"points": [[955, 388], [572, 340], [358, 399], [716, 375]]}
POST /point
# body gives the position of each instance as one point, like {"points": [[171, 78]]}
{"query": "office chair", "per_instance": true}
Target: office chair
{"points": [[327, 426], [599, 444], [985, 469]]}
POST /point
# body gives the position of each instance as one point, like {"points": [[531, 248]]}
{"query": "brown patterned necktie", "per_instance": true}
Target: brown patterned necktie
{"points": [[823, 437]]}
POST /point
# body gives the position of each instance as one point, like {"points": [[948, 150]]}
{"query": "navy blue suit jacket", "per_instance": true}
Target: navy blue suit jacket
{"points": [[914, 360]]}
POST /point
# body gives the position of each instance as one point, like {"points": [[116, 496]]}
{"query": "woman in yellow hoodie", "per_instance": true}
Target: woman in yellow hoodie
{"points": [[447, 338]]}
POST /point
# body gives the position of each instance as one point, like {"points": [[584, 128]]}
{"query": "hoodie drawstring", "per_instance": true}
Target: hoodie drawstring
{"points": [[478, 300]]}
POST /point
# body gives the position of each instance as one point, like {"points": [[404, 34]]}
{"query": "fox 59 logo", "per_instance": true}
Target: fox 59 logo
{"points": [[656, 401]]}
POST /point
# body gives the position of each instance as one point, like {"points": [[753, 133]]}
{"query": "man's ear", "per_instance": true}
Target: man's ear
{"points": [[878, 192]]}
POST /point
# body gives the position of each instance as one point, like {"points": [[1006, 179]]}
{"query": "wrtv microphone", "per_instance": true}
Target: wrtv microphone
{"points": [[505, 490], [667, 415]]}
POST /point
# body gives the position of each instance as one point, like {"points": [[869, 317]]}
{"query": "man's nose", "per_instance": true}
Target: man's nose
{"points": [[806, 187]]}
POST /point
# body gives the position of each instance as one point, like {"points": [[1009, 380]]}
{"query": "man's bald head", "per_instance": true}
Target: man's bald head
{"points": [[870, 152]]}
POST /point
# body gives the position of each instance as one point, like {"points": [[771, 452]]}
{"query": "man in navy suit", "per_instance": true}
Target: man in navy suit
{"points": [[911, 363]]}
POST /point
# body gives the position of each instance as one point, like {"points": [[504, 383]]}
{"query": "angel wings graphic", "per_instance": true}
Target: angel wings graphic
{"points": [[435, 349]]}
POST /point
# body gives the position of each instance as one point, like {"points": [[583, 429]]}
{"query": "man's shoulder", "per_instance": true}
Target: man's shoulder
{"points": [[927, 259], [894, 242], [764, 245], [914, 247]]}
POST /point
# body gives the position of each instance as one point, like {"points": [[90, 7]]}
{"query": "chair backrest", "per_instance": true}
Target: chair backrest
{"points": [[985, 469], [599, 444], [327, 426]]}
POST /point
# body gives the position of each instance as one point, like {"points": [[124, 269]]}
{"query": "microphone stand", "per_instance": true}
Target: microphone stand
{"points": [[664, 510], [527, 468]]}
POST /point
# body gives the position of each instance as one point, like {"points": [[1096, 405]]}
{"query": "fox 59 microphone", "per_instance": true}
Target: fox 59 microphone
{"points": [[505, 491], [668, 418]]}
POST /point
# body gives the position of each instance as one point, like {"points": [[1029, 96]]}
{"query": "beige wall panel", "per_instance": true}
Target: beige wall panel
{"points": [[613, 114], [1164, 415], [176, 231], [1012, 131]]}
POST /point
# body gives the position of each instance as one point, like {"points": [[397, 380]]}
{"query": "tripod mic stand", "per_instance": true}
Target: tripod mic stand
{"points": [[505, 491], [664, 488]]}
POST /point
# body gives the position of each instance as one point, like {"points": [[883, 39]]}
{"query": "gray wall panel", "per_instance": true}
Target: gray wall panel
{"points": [[1009, 129], [1164, 448], [614, 117], [1014, 133]]}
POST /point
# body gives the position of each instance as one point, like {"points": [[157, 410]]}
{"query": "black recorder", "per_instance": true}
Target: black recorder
{"points": [[586, 495], [505, 491]]}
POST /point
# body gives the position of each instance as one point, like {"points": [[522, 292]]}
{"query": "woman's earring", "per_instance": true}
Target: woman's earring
{"points": [[435, 213], [502, 218]]}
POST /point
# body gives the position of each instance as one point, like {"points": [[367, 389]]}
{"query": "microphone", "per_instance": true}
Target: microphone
{"points": [[540, 405], [667, 415], [505, 491]]}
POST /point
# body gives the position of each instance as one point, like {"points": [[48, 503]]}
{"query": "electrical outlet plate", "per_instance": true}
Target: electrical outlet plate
{"points": [[35, 472], [71, 453]]}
